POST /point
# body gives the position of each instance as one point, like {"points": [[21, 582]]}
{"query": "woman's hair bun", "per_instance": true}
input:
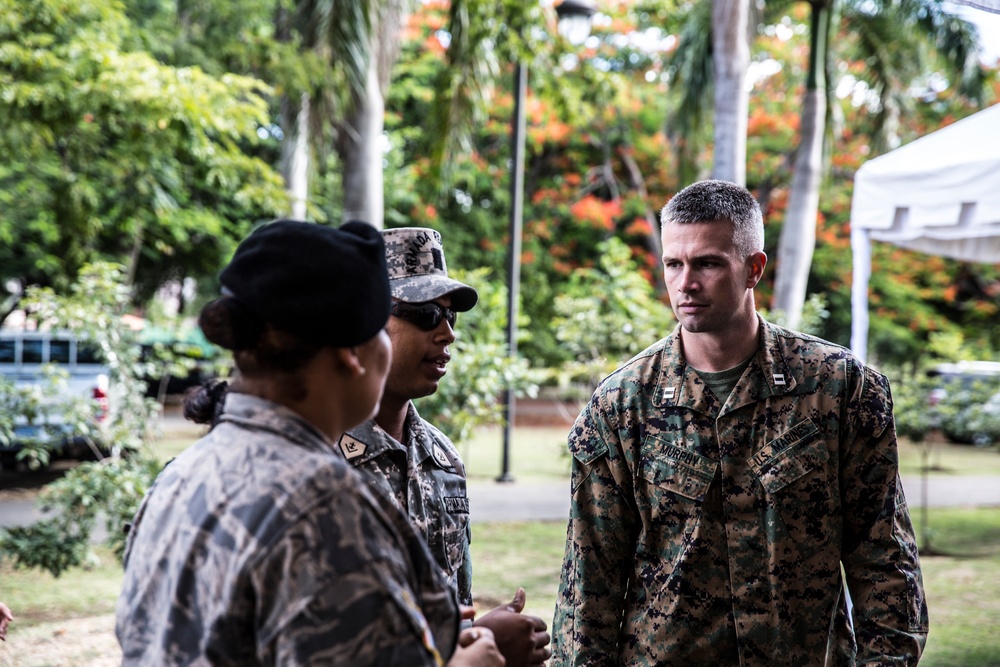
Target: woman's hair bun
{"points": [[230, 325]]}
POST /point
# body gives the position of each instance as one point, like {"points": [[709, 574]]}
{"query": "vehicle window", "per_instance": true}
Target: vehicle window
{"points": [[8, 351], [87, 354], [59, 351], [31, 351]]}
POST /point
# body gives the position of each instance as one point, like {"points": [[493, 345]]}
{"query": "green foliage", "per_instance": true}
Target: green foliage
{"points": [[606, 315], [915, 417], [113, 156], [480, 370], [113, 486], [51, 545], [814, 313], [594, 147], [93, 309], [953, 345], [964, 415], [111, 489], [133, 134]]}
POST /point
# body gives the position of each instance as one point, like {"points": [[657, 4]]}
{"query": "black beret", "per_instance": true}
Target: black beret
{"points": [[327, 286]]}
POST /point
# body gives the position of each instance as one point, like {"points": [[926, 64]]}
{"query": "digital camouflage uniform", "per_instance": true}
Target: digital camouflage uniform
{"points": [[710, 534], [259, 545], [426, 476]]}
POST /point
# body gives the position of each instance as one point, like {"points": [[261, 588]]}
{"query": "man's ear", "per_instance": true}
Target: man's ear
{"points": [[756, 262]]}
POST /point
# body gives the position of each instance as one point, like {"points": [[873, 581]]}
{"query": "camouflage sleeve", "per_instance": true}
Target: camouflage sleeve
{"points": [[338, 589], [879, 546], [600, 540]]}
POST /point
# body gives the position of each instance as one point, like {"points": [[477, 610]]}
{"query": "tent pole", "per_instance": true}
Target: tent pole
{"points": [[861, 250]]}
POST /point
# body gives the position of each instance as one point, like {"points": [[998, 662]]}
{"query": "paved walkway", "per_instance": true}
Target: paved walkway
{"points": [[549, 501]]}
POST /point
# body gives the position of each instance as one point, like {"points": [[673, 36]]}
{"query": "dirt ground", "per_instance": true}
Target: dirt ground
{"points": [[84, 642]]}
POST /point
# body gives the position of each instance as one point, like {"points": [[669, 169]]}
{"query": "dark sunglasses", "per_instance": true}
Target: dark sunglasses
{"points": [[426, 316]]}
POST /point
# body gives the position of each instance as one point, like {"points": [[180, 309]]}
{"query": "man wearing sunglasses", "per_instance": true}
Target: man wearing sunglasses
{"points": [[411, 460]]}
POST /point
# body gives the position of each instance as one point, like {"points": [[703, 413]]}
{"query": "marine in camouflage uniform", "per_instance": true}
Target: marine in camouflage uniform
{"points": [[424, 473], [259, 545], [713, 509]]}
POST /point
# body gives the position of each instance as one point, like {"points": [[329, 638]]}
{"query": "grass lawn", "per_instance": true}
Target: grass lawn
{"points": [[946, 458], [537, 454], [963, 588]]}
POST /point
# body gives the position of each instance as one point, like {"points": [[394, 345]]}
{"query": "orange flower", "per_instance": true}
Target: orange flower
{"points": [[596, 213], [638, 227]]}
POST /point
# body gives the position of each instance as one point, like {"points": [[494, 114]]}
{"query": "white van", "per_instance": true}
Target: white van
{"points": [[24, 358]]}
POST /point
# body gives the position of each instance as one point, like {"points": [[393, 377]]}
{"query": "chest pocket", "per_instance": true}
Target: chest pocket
{"points": [[448, 521], [678, 472], [672, 483], [801, 501]]}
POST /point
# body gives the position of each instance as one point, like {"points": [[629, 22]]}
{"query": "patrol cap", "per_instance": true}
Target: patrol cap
{"points": [[417, 270], [327, 286]]}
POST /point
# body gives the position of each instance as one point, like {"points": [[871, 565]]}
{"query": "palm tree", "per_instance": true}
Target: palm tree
{"points": [[730, 60], [712, 57], [691, 68], [483, 33], [359, 136], [359, 43], [798, 235], [892, 39]]}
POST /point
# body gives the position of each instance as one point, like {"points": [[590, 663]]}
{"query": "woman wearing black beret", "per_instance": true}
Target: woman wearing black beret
{"points": [[259, 545]]}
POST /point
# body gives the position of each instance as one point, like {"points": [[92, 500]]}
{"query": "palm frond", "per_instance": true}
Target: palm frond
{"points": [[691, 72], [341, 30]]}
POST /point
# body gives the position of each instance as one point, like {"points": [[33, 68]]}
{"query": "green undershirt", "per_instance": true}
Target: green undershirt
{"points": [[722, 383]]}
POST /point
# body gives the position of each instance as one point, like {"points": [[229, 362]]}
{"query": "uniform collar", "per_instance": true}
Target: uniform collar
{"points": [[369, 440], [259, 413], [767, 375]]}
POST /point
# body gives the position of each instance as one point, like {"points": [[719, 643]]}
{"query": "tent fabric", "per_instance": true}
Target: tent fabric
{"points": [[985, 5], [939, 195]]}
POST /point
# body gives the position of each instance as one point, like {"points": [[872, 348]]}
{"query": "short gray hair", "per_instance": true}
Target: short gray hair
{"points": [[708, 201]]}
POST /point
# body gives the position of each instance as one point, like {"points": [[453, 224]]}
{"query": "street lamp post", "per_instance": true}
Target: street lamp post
{"points": [[574, 25]]}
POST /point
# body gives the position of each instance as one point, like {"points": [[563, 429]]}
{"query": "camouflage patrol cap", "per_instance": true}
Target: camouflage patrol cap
{"points": [[417, 270]]}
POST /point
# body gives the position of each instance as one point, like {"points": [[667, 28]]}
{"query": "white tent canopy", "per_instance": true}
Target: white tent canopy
{"points": [[939, 194], [986, 5]]}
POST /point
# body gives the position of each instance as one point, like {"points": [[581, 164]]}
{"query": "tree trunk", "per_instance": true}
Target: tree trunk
{"points": [[360, 149], [730, 59], [295, 154], [639, 183], [360, 141], [798, 235]]}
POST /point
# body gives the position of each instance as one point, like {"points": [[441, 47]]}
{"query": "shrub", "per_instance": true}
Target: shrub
{"points": [[114, 486]]}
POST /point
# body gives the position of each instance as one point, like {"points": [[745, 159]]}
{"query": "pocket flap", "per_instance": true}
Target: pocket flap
{"points": [[790, 456], [678, 470]]}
